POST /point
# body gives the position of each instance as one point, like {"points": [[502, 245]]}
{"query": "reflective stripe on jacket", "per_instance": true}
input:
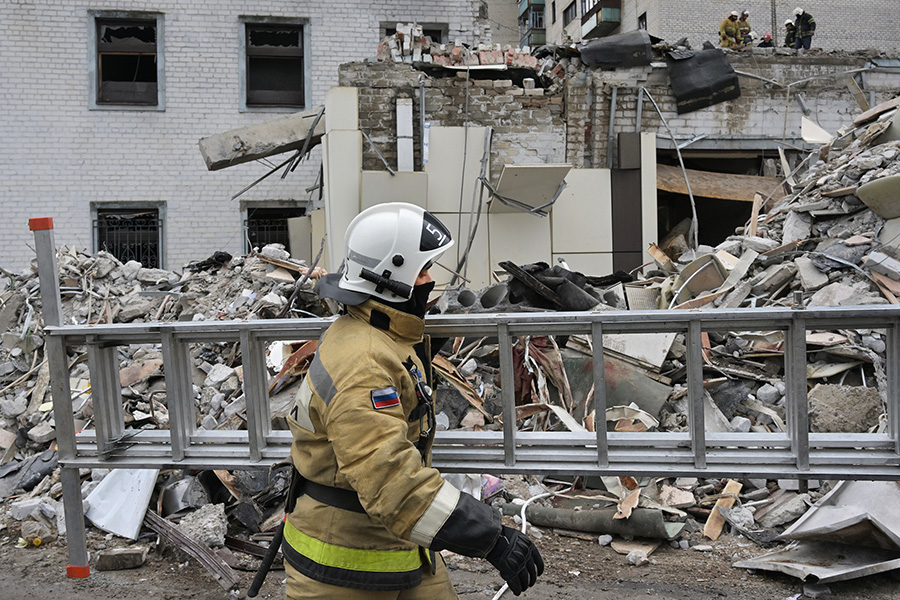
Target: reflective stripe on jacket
{"points": [[351, 426]]}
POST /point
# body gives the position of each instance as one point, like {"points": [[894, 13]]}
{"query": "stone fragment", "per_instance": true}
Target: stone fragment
{"points": [[217, 375], [759, 244], [20, 509], [130, 270], [784, 513], [675, 497], [843, 408], [134, 307], [884, 264], [768, 393], [206, 525], [835, 294], [797, 227], [773, 278], [119, 559], [741, 424], [816, 590], [42, 433], [811, 278], [155, 276], [13, 407], [637, 558]]}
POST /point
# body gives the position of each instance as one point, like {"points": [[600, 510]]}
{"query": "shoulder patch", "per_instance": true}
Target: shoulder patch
{"points": [[385, 398]]}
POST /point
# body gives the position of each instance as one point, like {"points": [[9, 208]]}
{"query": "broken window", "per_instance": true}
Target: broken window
{"points": [[569, 13], [642, 21], [553, 12], [130, 234], [127, 70], [275, 65], [270, 226]]}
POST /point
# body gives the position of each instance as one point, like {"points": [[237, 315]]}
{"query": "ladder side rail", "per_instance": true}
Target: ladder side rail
{"points": [[892, 387], [507, 394], [61, 395], [599, 372], [106, 395], [796, 388], [256, 393], [179, 392], [696, 393]]}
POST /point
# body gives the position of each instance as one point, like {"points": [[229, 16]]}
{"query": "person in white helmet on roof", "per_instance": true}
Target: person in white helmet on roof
{"points": [[728, 31], [744, 29], [790, 34], [370, 515], [805, 26]]}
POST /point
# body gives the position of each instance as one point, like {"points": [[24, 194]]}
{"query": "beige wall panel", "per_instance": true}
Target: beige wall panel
{"points": [[448, 176], [300, 238], [597, 264], [478, 274], [343, 170], [581, 218], [648, 189], [379, 187], [317, 226], [518, 237], [341, 108]]}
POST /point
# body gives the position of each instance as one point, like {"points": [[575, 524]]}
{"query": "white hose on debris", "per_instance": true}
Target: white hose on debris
{"points": [[524, 527]]}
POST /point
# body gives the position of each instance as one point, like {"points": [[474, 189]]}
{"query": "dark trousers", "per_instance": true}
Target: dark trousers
{"points": [[803, 42]]}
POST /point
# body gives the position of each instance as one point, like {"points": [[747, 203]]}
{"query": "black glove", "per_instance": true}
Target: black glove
{"points": [[517, 559]]}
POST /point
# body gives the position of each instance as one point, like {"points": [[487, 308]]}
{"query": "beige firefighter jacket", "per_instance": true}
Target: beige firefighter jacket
{"points": [[352, 430]]}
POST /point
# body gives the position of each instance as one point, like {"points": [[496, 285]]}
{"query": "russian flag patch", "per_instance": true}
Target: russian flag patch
{"points": [[385, 398]]}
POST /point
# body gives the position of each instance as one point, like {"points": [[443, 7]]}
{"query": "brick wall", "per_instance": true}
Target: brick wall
{"points": [[840, 25], [528, 129], [59, 156]]}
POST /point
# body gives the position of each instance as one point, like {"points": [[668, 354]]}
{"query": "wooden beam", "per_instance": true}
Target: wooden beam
{"points": [[706, 184]]}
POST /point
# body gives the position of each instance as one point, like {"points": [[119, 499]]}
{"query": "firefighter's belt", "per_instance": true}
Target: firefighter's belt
{"points": [[332, 496]]}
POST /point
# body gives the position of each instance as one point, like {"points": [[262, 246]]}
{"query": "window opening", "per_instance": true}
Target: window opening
{"points": [[275, 65], [269, 226], [569, 14], [130, 234], [642, 21], [127, 62]]}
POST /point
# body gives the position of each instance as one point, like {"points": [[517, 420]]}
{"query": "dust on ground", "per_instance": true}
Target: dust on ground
{"points": [[577, 569]]}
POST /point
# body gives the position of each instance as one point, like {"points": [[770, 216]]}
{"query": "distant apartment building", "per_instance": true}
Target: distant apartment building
{"points": [[840, 25], [104, 102]]}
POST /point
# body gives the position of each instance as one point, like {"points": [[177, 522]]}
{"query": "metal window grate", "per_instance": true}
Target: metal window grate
{"points": [[269, 226], [130, 234]]}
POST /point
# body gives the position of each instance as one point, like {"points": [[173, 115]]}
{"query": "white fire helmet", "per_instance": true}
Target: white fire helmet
{"points": [[387, 246], [798, 11], [734, 13], [788, 22]]}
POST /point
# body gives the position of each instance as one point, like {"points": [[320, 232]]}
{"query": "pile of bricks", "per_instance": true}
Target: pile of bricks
{"points": [[410, 45]]}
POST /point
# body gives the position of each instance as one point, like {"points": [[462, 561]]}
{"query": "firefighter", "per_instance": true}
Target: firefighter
{"points": [[728, 31], [805, 29], [766, 41], [743, 25], [790, 34], [371, 513]]}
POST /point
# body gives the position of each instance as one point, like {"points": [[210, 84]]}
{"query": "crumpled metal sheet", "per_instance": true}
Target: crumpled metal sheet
{"points": [[631, 49], [862, 513], [705, 79], [825, 562]]}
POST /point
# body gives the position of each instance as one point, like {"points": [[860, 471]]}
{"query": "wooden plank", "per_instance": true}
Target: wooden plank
{"points": [[713, 527], [858, 94], [876, 111], [706, 184], [754, 215]]}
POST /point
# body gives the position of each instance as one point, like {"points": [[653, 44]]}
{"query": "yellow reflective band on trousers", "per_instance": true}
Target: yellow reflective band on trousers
{"points": [[355, 559]]}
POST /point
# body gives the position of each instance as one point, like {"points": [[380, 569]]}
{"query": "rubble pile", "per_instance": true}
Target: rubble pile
{"points": [[825, 243]]}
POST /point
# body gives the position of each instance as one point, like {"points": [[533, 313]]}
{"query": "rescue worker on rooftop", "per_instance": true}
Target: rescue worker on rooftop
{"points": [[805, 26], [743, 25], [790, 34], [728, 31], [371, 513]]}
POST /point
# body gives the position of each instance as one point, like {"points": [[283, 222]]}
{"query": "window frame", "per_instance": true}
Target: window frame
{"points": [[249, 207], [246, 21], [97, 208], [94, 17], [574, 8]]}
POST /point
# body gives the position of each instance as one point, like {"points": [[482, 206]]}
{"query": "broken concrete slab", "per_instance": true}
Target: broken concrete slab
{"points": [[797, 227], [260, 140], [811, 278], [789, 508]]}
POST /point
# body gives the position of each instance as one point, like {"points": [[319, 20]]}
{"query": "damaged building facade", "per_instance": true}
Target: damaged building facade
{"points": [[106, 125]]}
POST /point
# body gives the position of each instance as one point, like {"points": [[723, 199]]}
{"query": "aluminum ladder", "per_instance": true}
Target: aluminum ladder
{"points": [[796, 453]]}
